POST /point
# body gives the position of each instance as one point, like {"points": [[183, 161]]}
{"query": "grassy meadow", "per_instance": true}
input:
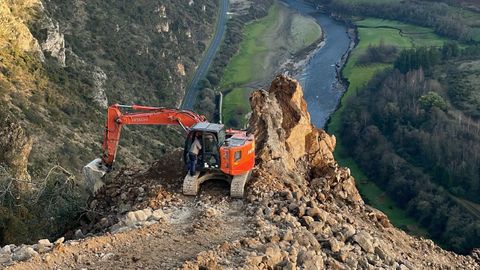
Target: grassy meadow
{"points": [[276, 36]]}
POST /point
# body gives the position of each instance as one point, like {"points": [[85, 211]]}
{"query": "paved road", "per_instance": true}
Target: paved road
{"points": [[192, 90]]}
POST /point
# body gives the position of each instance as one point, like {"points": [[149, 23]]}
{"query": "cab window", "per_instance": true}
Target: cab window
{"points": [[237, 156]]}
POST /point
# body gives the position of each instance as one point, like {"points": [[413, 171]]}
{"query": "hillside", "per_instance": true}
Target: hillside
{"points": [[64, 61], [61, 64], [301, 211]]}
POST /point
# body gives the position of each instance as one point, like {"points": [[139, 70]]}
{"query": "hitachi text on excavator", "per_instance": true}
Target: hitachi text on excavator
{"points": [[226, 154]]}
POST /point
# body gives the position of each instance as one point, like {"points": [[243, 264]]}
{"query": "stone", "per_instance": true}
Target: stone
{"points": [[335, 245], [104, 222], [6, 250], [130, 219], [308, 220], [348, 231], [364, 240], [60, 240], [310, 260], [293, 208], [43, 246], [148, 223], [5, 258], [24, 253], [211, 212], [124, 208], [288, 236], [45, 242], [315, 227], [140, 215], [343, 254], [273, 255], [253, 260], [157, 215], [79, 234], [383, 253], [289, 266]]}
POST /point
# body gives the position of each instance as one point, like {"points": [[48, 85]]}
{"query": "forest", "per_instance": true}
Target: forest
{"points": [[419, 122]]}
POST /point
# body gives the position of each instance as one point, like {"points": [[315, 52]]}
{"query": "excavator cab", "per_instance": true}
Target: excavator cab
{"points": [[212, 137]]}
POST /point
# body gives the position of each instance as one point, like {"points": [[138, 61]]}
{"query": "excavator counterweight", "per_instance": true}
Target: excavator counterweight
{"points": [[225, 154]]}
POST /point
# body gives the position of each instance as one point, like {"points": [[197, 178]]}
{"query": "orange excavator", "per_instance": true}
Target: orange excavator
{"points": [[226, 154]]}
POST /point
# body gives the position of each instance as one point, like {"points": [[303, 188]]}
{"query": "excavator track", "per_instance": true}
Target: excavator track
{"points": [[237, 185], [191, 184]]}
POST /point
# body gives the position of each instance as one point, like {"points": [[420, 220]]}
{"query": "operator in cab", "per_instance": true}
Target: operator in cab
{"points": [[193, 154]]}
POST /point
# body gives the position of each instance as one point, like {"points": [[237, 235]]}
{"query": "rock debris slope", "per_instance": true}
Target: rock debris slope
{"points": [[301, 211]]}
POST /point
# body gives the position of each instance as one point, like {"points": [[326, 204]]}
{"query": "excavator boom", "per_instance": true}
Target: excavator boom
{"points": [[149, 116]]}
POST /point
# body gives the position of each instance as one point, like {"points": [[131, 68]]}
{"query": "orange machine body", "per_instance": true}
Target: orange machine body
{"points": [[237, 155]]}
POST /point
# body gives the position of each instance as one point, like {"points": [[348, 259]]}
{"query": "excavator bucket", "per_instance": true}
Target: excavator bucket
{"points": [[94, 172]]}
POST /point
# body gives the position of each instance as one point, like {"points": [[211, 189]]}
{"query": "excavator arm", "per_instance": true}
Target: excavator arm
{"points": [[142, 115], [148, 116]]}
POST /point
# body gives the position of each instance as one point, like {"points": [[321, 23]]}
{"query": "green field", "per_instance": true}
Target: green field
{"points": [[247, 65], [468, 17], [278, 34], [371, 32], [235, 106]]}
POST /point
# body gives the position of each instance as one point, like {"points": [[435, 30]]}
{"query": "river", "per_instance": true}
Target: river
{"points": [[322, 89]]}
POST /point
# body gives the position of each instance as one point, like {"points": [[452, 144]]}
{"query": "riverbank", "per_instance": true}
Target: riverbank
{"points": [[268, 44]]}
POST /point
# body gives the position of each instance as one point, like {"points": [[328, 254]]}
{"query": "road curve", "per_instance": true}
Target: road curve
{"points": [[191, 92]]}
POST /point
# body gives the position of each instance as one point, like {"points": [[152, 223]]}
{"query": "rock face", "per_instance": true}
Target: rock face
{"points": [[55, 42], [15, 147]]}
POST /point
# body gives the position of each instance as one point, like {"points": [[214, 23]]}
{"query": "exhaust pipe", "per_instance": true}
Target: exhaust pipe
{"points": [[94, 173]]}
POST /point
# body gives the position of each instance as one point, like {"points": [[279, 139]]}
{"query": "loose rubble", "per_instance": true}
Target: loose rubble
{"points": [[301, 211]]}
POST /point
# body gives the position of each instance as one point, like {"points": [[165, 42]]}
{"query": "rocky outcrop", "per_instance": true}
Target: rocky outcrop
{"points": [[54, 43], [99, 92], [15, 147], [289, 147]]}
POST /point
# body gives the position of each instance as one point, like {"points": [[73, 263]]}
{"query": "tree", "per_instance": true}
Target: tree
{"points": [[432, 99]]}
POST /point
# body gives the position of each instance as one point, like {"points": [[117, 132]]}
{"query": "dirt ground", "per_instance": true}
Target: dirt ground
{"points": [[197, 226]]}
